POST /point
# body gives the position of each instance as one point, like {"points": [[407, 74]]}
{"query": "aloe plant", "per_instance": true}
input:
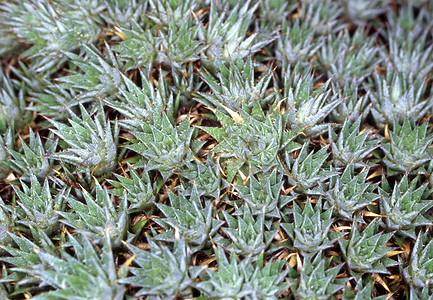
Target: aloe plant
{"points": [[309, 228]]}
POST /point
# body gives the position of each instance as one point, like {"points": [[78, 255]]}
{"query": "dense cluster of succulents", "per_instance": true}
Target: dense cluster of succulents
{"points": [[216, 149]]}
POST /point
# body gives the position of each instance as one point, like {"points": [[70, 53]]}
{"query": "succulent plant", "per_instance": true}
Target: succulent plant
{"points": [[139, 190], [353, 105], [365, 252], [164, 147], [6, 142], [297, 43], [142, 103], [306, 172], [100, 75], [8, 218], [236, 87], [273, 13], [38, 207], [91, 142], [247, 234], [172, 44], [398, 97], [309, 228], [22, 254], [55, 102], [410, 55], [243, 280], [251, 140], [35, 158], [161, 273], [307, 107], [322, 16], [403, 206], [12, 105], [318, 280], [53, 27], [408, 148], [363, 290], [361, 12], [189, 219], [351, 146], [263, 194], [206, 178], [98, 218], [90, 274], [419, 270], [347, 193], [348, 57], [226, 34]]}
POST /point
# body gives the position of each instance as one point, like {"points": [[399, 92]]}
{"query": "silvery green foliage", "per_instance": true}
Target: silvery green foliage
{"points": [[306, 106], [348, 193], [90, 274], [318, 280], [164, 147], [322, 15], [12, 105], [205, 177], [55, 102], [236, 87], [173, 44], [53, 27], [97, 217], [408, 148], [188, 218], [244, 279], [351, 146], [408, 21], [365, 252], [8, 44], [273, 13], [139, 190], [5, 287], [138, 46], [348, 57], [352, 106], [247, 234], [403, 207], [38, 207], [398, 97], [360, 12], [309, 228], [421, 294], [34, 157], [419, 270], [6, 142], [408, 54], [263, 194], [362, 291], [307, 170], [226, 34], [185, 83], [297, 43], [141, 104], [251, 140], [165, 12], [23, 254], [180, 45], [91, 142], [99, 77], [161, 273], [122, 12], [8, 218]]}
